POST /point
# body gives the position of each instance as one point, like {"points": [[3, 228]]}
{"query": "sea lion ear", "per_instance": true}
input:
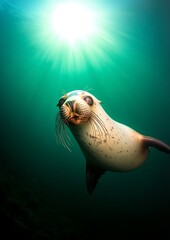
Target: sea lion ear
{"points": [[98, 101], [93, 174]]}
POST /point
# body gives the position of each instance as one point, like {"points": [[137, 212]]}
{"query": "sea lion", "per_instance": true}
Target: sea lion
{"points": [[106, 144]]}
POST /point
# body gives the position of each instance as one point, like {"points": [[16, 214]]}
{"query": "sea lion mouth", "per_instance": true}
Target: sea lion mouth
{"points": [[77, 119]]}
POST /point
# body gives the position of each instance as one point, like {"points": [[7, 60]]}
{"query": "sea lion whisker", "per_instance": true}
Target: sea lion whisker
{"points": [[93, 124], [100, 123], [58, 123], [87, 89], [58, 129], [98, 127], [65, 138], [99, 120], [61, 133], [63, 91]]}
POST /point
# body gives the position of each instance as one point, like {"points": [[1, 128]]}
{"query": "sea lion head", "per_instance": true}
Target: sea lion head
{"points": [[77, 107]]}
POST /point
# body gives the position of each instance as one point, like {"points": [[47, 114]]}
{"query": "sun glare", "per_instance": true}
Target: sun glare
{"points": [[72, 22], [74, 35]]}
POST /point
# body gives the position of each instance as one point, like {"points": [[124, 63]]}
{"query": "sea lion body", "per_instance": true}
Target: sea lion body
{"points": [[121, 149], [106, 144]]}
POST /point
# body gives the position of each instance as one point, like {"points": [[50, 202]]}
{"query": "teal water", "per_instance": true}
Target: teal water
{"points": [[128, 69]]}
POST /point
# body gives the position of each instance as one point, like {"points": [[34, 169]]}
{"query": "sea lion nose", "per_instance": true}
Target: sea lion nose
{"points": [[71, 105]]}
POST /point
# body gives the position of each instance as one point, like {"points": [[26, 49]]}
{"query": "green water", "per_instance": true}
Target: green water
{"points": [[133, 83]]}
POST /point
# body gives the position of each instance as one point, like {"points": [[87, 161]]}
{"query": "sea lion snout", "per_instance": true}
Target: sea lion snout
{"points": [[74, 111], [71, 105]]}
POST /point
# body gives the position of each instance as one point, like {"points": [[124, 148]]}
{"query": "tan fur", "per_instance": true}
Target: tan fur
{"points": [[119, 148]]}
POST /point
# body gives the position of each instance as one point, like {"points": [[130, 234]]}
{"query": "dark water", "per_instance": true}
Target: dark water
{"points": [[42, 185]]}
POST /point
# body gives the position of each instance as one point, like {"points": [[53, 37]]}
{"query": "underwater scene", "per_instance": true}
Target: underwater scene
{"points": [[76, 79]]}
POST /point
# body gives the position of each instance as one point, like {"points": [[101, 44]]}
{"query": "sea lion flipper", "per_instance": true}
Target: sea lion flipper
{"points": [[154, 142], [92, 176]]}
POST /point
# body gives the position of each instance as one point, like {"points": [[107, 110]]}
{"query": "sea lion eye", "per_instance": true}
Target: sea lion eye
{"points": [[88, 100], [60, 103]]}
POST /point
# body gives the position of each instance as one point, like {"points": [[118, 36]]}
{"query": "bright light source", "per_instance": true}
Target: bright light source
{"points": [[75, 35], [72, 22]]}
